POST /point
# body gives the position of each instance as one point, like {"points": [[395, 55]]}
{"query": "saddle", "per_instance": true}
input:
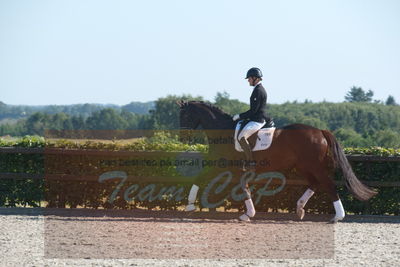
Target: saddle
{"points": [[260, 140]]}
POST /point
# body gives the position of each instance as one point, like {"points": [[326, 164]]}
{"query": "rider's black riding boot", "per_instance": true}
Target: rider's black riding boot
{"points": [[250, 164]]}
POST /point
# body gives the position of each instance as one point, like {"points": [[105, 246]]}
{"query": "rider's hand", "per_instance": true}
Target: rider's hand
{"points": [[236, 117]]}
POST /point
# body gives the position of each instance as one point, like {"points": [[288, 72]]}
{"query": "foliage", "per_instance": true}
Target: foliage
{"points": [[84, 110], [357, 94], [165, 115], [377, 151], [138, 107], [231, 106], [354, 123], [390, 101], [349, 137]]}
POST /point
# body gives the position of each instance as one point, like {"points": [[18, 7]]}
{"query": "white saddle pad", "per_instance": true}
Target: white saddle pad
{"points": [[263, 142]]}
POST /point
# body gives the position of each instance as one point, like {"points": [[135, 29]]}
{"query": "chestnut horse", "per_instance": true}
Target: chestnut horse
{"points": [[314, 153]]}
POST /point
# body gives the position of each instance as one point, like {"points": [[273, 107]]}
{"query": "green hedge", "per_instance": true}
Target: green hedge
{"points": [[35, 192], [388, 199]]}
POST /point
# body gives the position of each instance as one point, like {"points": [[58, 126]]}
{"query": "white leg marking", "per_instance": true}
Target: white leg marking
{"points": [[244, 218], [192, 198], [303, 201], [339, 210], [250, 211]]}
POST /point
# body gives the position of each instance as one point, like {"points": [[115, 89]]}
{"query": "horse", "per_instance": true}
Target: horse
{"points": [[313, 152]]}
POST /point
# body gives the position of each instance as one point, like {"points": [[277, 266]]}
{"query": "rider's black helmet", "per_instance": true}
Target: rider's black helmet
{"points": [[254, 72]]}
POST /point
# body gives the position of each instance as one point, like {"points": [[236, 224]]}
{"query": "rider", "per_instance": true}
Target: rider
{"points": [[257, 115]]}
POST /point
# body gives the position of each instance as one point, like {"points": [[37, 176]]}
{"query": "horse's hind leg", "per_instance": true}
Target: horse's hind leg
{"points": [[337, 204], [301, 203], [327, 184]]}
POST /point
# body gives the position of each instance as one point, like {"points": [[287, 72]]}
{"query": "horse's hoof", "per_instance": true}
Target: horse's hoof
{"points": [[300, 213], [244, 218], [190, 207], [333, 220], [336, 219]]}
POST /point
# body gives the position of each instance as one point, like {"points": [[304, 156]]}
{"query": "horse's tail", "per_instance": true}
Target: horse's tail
{"points": [[358, 189]]}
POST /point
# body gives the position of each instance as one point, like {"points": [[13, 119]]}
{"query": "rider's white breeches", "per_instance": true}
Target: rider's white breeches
{"points": [[250, 128]]}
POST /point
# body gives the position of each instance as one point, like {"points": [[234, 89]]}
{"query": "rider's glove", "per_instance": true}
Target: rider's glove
{"points": [[236, 117]]}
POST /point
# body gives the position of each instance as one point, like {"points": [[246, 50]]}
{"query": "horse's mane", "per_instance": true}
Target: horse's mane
{"points": [[213, 108]]}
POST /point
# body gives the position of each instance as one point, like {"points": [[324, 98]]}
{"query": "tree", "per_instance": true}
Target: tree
{"points": [[37, 123], [60, 121], [78, 123], [387, 138], [165, 115], [357, 94], [315, 122], [138, 107], [106, 119], [349, 137], [231, 106], [390, 101]]}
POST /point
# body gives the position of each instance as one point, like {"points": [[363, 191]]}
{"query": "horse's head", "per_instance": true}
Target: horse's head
{"points": [[188, 117], [197, 113], [194, 114]]}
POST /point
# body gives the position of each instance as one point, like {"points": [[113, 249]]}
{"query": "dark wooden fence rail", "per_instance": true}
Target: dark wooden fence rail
{"points": [[366, 166], [96, 152]]}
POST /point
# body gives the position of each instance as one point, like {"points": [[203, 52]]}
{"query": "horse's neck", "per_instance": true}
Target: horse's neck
{"points": [[217, 127], [216, 122]]}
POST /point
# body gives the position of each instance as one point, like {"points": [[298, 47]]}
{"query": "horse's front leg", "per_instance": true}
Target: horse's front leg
{"points": [[250, 210], [192, 198]]}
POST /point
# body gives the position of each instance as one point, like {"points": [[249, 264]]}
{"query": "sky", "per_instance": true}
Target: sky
{"points": [[116, 52]]}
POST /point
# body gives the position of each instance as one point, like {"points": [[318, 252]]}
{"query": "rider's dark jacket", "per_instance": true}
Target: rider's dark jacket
{"points": [[258, 105]]}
